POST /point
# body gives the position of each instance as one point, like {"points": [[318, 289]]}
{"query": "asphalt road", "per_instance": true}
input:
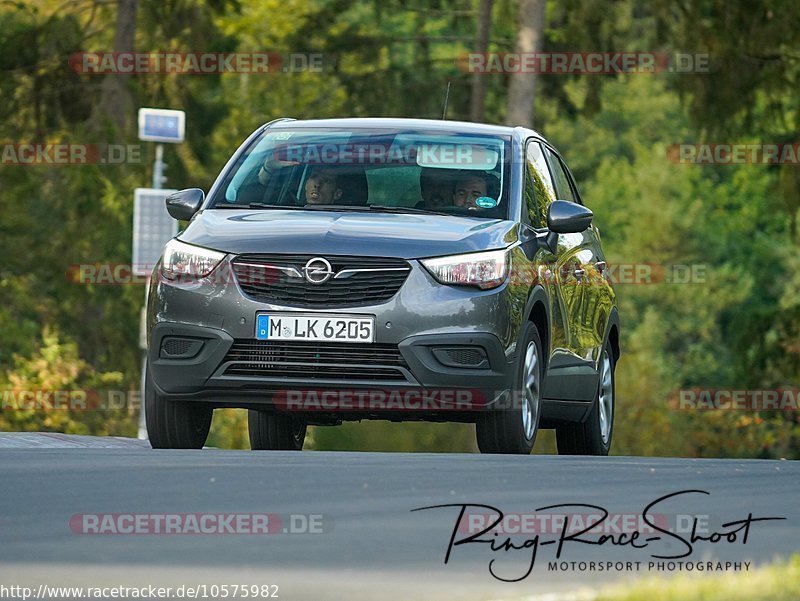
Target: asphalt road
{"points": [[370, 544]]}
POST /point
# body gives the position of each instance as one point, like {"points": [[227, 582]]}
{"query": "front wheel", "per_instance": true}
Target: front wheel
{"points": [[514, 430], [275, 431], [593, 436], [174, 424]]}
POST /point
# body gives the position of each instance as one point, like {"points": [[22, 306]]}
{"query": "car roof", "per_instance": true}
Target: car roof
{"points": [[462, 127]]}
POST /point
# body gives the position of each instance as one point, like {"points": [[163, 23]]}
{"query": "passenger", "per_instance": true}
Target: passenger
{"points": [[436, 188]]}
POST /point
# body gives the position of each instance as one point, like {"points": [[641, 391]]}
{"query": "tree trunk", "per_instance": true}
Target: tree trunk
{"points": [[530, 37], [116, 100], [478, 103]]}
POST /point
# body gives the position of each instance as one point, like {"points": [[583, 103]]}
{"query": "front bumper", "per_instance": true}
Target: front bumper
{"points": [[214, 320]]}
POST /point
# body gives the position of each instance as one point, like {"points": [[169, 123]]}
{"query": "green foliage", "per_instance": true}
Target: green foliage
{"points": [[229, 429], [35, 394], [777, 582], [407, 437], [709, 332]]}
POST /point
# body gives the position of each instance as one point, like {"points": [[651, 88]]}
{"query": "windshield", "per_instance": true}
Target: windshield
{"points": [[378, 170]]}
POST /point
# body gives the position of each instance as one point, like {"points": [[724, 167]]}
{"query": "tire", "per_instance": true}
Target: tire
{"points": [[593, 436], [174, 424], [513, 430], [275, 431]]}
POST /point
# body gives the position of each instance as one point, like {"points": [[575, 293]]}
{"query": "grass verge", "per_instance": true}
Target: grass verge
{"points": [[778, 582]]}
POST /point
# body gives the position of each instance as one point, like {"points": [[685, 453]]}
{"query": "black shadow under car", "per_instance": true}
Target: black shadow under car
{"points": [[385, 269]]}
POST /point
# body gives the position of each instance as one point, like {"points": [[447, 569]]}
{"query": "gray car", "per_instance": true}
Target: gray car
{"points": [[392, 269]]}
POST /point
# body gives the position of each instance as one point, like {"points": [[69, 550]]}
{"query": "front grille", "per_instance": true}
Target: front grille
{"points": [[261, 278], [315, 360]]}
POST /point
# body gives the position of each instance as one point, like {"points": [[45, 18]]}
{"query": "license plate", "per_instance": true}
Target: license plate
{"points": [[315, 327]]}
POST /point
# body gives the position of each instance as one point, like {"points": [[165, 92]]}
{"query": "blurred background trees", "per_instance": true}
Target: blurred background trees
{"points": [[738, 329]]}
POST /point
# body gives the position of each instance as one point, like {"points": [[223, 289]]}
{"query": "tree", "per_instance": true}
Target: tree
{"points": [[479, 81], [530, 39], [116, 100]]}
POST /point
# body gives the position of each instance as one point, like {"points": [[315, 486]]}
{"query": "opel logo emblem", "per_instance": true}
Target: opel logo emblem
{"points": [[317, 270]]}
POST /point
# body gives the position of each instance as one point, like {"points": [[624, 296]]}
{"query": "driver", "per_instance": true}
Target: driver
{"points": [[322, 188], [468, 188]]}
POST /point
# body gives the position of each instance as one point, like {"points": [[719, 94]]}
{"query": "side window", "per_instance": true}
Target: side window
{"points": [[563, 189], [539, 192]]}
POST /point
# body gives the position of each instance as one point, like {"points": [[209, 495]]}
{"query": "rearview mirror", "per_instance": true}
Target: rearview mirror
{"points": [[185, 203], [565, 217]]}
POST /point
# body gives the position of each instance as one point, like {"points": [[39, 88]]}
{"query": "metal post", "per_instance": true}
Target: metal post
{"points": [[158, 167]]}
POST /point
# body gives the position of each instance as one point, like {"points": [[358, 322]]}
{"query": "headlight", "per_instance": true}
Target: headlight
{"points": [[182, 259], [484, 270]]}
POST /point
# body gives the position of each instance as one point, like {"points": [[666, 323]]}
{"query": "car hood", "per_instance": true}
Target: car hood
{"points": [[406, 236]]}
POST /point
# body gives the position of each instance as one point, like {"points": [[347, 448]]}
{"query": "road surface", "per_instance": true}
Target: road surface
{"points": [[367, 542]]}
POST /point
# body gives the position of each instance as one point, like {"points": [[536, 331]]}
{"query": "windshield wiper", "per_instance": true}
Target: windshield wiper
{"points": [[264, 205], [354, 208], [357, 208], [254, 205], [385, 209], [370, 208]]}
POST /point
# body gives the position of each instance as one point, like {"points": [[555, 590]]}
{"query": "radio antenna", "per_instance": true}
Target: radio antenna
{"points": [[446, 98]]}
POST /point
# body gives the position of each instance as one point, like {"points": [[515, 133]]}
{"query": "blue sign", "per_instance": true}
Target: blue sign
{"points": [[161, 125]]}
